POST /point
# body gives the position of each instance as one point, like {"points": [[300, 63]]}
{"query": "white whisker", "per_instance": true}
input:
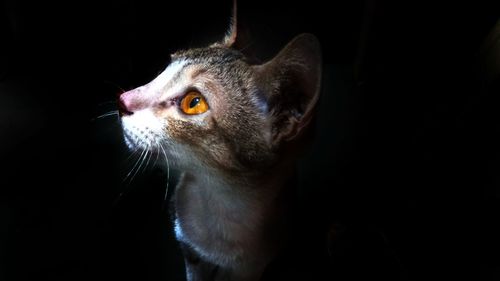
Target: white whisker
{"points": [[136, 162], [157, 150], [114, 84], [157, 156], [140, 165], [149, 158], [127, 189], [168, 175], [111, 113], [134, 153]]}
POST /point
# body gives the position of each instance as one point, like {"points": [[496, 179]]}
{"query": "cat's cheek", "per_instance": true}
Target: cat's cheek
{"points": [[186, 141]]}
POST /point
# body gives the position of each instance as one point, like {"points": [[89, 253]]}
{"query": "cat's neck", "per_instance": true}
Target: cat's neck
{"points": [[258, 185], [248, 211]]}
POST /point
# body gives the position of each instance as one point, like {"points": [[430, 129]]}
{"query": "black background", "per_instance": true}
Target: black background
{"points": [[405, 163]]}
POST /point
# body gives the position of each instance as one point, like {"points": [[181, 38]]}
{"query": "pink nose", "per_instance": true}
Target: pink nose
{"points": [[130, 102], [123, 106]]}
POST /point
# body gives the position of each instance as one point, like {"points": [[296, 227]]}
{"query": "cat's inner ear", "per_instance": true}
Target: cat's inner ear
{"points": [[291, 81]]}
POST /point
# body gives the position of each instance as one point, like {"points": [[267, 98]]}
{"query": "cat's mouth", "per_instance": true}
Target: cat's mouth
{"points": [[142, 131], [140, 139]]}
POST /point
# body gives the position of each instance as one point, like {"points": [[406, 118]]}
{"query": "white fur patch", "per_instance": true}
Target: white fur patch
{"points": [[178, 230], [142, 129], [179, 234], [172, 69]]}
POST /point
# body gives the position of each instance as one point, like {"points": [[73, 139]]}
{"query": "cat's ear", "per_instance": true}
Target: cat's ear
{"points": [[237, 36], [232, 34], [292, 81]]}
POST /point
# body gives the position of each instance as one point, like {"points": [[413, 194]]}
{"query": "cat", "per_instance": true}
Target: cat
{"points": [[234, 129]]}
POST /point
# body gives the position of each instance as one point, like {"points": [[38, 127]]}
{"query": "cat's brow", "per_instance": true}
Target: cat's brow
{"points": [[197, 72]]}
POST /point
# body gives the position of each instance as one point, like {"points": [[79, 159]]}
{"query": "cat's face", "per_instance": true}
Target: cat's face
{"points": [[210, 108], [205, 108]]}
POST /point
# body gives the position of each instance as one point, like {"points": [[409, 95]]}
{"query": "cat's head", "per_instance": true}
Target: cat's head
{"points": [[211, 108]]}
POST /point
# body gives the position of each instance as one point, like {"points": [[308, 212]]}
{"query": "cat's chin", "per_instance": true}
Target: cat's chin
{"points": [[131, 145], [137, 143]]}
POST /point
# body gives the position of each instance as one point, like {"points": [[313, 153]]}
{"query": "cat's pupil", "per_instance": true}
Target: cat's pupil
{"points": [[194, 102]]}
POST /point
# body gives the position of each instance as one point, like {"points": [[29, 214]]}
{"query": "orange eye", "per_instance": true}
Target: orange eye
{"points": [[194, 103]]}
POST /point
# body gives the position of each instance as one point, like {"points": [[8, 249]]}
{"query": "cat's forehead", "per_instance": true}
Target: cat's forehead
{"points": [[208, 56], [221, 66]]}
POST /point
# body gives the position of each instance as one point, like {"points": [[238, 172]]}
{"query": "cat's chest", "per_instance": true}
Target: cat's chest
{"points": [[218, 222]]}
